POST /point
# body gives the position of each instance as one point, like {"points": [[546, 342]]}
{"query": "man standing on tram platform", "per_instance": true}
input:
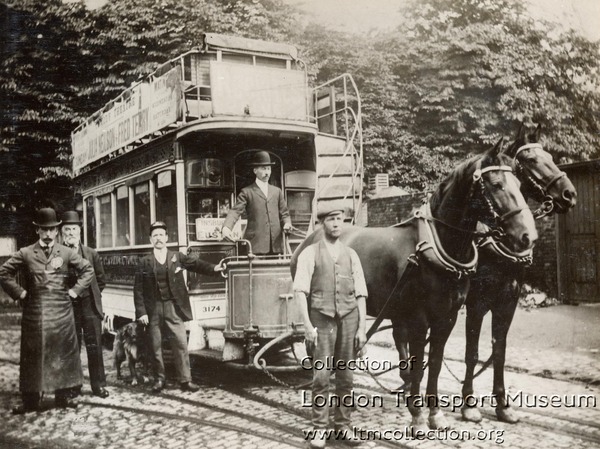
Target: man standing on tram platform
{"points": [[331, 290], [162, 302], [265, 207], [88, 305], [49, 349]]}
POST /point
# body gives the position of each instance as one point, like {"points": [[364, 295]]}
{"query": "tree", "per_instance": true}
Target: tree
{"points": [[39, 71], [457, 75], [61, 62], [471, 70]]}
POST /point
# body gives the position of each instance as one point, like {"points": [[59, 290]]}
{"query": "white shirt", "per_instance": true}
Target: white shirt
{"points": [[44, 246], [161, 255], [306, 268], [263, 186]]}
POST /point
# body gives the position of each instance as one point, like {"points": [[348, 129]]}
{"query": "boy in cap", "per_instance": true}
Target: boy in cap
{"points": [[49, 348], [265, 207], [330, 288]]}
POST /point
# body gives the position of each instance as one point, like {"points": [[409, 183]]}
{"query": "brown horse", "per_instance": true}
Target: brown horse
{"points": [[496, 285], [441, 239]]}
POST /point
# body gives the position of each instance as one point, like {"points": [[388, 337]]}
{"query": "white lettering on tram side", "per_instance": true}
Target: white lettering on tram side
{"points": [[140, 122], [124, 131]]}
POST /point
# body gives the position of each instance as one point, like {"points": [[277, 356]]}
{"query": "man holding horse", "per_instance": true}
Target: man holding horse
{"points": [[330, 287]]}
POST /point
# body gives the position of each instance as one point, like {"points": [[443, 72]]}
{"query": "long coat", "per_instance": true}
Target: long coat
{"points": [[266, 217], [49, 348], [98, 283], [145, 289]]}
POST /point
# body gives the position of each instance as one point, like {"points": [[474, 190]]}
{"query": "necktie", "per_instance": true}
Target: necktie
{"points": [[47, 251]]}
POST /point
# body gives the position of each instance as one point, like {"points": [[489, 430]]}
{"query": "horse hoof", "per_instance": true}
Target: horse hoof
{"points": [[418, 425], [134, 383], [471, 414], [438, 421], [505, 414]]}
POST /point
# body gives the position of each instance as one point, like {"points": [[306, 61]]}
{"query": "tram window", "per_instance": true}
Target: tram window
{"points": [[203, 204], [271, 62], [209, 172], [123, 238], [105, 221], [166, 202], [141, 212], [238, 58], [208, 204], [90, 222], [300, 206]]}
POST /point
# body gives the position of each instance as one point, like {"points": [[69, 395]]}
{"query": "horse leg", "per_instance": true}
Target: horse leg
{"points": [[401, 340], [502, 317], [418, 333], [438, 337], [476, 310]]}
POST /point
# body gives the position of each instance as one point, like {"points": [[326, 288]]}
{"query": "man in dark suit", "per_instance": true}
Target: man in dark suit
{"points": [[88, 305], [162, 302], [265, 207], [49, 352]]}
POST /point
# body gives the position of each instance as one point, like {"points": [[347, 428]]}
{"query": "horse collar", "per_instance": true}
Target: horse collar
{"points": [[524, 258], [430, 250]]}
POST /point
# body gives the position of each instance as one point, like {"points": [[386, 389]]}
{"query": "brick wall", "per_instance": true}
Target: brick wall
{"points": [[393, 209], [542, 273]]}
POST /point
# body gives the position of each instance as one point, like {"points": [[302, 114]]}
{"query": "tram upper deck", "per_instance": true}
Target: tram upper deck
{"points": [[175, 147]]}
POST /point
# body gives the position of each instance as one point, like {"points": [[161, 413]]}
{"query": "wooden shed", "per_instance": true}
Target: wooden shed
{"points": [[578, 237]]}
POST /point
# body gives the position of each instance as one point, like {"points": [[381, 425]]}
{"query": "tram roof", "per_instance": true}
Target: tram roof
{"points": [[154, 105], [222, 42]]}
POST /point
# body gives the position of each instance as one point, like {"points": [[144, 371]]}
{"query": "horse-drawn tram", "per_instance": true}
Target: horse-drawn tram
{"points": [[175, 147]]}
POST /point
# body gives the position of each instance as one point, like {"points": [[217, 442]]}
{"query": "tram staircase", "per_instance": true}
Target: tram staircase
{"points": [[339, 148]]}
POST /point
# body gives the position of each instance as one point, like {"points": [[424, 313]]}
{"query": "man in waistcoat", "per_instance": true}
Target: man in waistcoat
{"points": [[162, 302], [265, 207], [49, 350], [88, 305], [330, 288]]}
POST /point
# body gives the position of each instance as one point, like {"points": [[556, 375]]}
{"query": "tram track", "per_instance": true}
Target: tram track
{"points": [[202, 421], [565, 425], [257, 394]]}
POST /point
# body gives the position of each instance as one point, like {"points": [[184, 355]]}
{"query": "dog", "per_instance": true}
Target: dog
{"points": [[131, 344]]}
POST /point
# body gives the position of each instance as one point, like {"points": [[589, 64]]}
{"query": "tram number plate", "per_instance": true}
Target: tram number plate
{"points": [[213, 308]]}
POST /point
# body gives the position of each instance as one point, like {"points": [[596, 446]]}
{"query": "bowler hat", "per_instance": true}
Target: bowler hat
{"points": [[71, 217], [260, 159], [325, 209], [46, 218], [158, 225]]}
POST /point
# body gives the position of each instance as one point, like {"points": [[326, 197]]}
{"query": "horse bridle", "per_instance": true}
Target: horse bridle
{"points": [[499, 220], [495, 231], [546, 200]]}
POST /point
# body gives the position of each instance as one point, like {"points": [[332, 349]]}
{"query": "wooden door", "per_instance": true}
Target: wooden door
{"points": [[579, 238]]}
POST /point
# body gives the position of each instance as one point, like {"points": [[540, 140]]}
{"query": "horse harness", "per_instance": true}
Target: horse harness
{"points": [[430, 250], [539, 186]]}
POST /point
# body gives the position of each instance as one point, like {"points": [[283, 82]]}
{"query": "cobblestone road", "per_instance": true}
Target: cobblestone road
{"points": [[243, 409]]}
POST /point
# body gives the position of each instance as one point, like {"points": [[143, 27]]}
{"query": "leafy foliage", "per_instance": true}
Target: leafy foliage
{"points": [[40, 70], [453, 78], [457, 75]]}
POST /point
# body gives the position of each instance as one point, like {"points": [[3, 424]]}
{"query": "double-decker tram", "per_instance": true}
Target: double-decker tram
{"points": [[175, 147]]}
